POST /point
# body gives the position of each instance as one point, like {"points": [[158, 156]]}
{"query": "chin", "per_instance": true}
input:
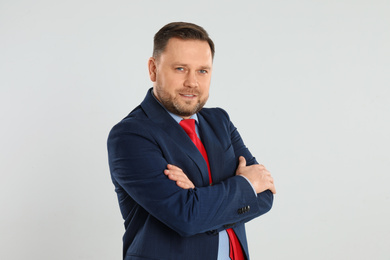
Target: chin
{"points": [[187, 111]]}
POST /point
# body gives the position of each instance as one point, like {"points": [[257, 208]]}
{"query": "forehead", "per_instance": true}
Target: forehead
{"points": [[179, 50]]}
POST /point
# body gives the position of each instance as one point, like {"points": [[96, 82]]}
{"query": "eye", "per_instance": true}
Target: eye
{"points": [[179, 68], [203, 71]]}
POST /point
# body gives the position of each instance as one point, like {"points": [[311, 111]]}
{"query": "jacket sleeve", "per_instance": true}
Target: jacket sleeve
{"points": [[265, 198], [137, 162]]}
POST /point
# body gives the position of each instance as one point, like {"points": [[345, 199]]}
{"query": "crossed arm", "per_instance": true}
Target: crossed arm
{"points": [[256, 174], [137, 159]]}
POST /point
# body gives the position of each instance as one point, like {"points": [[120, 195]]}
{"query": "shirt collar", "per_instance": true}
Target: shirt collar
{"points": [[179, 118]]}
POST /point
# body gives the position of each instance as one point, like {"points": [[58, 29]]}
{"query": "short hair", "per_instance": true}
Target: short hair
{"points": [[180, 30]]}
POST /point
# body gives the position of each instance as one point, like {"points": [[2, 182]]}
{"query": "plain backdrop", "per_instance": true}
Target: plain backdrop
{"points": [[307, 83]]}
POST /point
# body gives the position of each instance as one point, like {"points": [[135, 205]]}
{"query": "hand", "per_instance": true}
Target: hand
{"points": [[176, 174], [257, 174]]}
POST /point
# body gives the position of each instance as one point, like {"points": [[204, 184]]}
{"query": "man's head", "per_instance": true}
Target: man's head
{"points": [[181, 67]]}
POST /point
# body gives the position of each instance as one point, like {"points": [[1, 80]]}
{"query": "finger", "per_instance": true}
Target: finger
{"points": [[173, 167], [167, 172], [173, 175], [272, 189], [176, 177], [241, 162], [176, 174], [170, 175], [185, 185], [261, 167], [176, 171]]}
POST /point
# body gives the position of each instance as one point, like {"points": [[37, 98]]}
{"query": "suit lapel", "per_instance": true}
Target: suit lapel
{"points": [[174, 131], [213, 148]]}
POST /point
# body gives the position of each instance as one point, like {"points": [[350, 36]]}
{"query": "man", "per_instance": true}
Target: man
{"points": [[185, 181]]}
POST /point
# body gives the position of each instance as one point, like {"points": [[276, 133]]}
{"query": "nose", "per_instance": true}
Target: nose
{"points": [[191, 80]]}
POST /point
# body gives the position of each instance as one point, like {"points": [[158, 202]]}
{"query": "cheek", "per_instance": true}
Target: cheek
{"points": [[173, 81], [205, 85]]}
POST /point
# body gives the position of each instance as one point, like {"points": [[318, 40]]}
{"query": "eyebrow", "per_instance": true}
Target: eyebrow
{"points": [[186, 65]]}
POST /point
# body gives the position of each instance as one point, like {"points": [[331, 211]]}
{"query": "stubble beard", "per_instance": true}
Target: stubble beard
{"points": [[174, 106]]}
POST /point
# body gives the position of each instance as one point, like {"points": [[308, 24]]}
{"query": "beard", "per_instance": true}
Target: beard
{"points": [[179, 107]]}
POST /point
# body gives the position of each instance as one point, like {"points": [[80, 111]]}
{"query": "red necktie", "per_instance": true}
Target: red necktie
{"points": [[188, 125]]}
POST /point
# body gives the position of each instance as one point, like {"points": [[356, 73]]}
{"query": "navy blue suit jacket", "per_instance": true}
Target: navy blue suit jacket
{"points": [[166, 222]]}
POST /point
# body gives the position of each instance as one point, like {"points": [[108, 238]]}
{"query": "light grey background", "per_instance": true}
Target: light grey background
{"points": [[306, 82]]}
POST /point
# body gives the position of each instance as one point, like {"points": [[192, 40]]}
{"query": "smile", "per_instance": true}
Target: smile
{"points": [[188, 95]]}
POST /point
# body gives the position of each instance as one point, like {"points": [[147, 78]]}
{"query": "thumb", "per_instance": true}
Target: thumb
{"points": [[241, 162]]}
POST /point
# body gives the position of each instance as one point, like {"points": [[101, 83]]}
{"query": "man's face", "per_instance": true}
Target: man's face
{"points": [[181, 76]]}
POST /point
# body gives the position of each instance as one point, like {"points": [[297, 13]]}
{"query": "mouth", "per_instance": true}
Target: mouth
{"points": [[188, 95]]}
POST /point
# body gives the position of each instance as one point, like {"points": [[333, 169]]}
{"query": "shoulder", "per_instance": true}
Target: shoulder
{"points": [[218, 119], [217, 113], [136, 122]]}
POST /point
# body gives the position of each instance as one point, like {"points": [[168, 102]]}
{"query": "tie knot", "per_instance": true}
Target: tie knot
{"points": [[188, 125]]}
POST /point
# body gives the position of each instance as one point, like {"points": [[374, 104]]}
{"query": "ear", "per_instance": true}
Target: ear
{"points": [[152, 66]]}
